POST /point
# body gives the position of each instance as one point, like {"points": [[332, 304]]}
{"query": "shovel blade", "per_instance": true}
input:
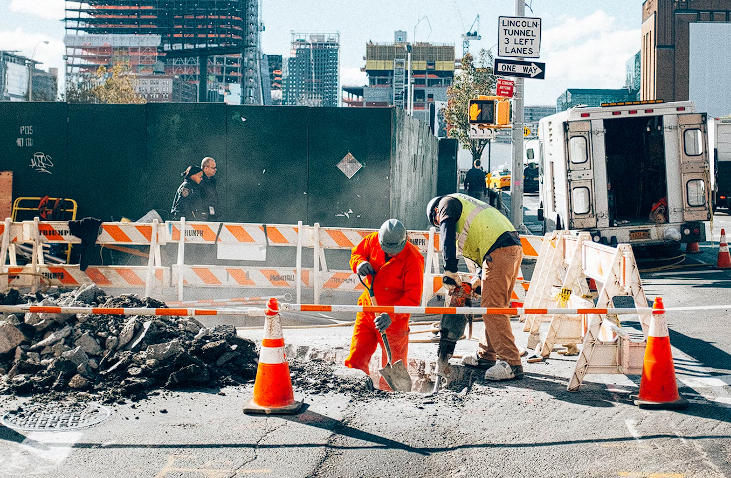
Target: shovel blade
{"points": [[397, 377]]}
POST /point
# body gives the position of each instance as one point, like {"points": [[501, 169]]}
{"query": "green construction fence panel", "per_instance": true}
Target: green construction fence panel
{"points": [[33, 146]]}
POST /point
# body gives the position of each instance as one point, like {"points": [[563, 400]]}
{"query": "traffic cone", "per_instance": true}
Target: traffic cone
{"points": [[658, 387], [724, 259], [273, 394], [692, 248]]}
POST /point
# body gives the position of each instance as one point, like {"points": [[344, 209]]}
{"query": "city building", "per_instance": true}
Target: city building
{"points": [[634, 74], [312, 72], [387, 68], [182, 34], [15, 73], [684, 52], [533, 114], [592, 97], [165, 89], [274, 67]]}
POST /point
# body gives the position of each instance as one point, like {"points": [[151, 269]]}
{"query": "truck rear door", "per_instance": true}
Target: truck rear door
{"points": [[694, 169], [580, 175]]}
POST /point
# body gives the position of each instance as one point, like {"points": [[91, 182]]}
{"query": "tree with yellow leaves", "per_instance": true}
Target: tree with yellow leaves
{"points": [[115, 86], [472, 81]]}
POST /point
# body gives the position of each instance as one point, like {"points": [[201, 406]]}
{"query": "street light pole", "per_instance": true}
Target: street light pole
{"points": [[409, 91], [30, 70]]}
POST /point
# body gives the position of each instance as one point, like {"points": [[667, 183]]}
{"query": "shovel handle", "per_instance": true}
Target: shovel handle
{"points": [[371, 295], [388, 347]]}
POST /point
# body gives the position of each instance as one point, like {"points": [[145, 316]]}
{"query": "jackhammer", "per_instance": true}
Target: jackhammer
{"points": [[451, 329]]}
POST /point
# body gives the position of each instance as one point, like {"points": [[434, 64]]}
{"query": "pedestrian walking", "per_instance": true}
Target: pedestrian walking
{"points": [[208, 191], [394, 269], [480, 233], [188, 202], [474, 181]]}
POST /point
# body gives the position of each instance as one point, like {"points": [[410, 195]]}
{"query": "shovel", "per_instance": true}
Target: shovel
{"points": [[395, 374]]}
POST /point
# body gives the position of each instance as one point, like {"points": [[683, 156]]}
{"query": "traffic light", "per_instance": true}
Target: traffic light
{"points": [[490, 110]]}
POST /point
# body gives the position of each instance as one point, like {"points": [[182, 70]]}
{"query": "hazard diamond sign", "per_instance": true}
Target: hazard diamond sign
{"points": [[505, 88]]}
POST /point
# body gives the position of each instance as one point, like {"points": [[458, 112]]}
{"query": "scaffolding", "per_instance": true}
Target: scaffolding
{"points": [[223, 35]]}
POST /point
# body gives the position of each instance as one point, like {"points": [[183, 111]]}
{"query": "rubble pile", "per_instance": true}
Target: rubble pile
{"points": [[114, 356], [317, 377]]}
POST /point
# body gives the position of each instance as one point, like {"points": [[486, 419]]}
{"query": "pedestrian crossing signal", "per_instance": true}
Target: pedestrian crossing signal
{"points": [[489, 110], [482, 111]]}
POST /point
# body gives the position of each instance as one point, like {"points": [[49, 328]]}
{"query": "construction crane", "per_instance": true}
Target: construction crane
{"points": [[472, 34]]}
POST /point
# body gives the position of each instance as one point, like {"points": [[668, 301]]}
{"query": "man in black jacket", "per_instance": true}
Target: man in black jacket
{"points": [[208, 188], [474, 181]]}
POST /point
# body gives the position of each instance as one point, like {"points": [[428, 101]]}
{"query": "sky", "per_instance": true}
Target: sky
{"points": [[584, 44]]}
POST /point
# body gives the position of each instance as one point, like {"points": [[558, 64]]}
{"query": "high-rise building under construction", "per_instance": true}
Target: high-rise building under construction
{"points": [[312, 73], [172, 37], [390, 65]]}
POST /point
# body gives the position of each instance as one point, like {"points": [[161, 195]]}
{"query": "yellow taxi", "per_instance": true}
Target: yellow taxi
{"points": [[498, 179]]}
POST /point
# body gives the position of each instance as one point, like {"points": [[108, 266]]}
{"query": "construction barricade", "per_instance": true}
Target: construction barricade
{"points": [[566, 264], [235, 242], [39, 272]]}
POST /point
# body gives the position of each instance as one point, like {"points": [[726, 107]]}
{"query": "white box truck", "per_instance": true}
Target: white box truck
{"points": [[719, 139], [633, 173]]}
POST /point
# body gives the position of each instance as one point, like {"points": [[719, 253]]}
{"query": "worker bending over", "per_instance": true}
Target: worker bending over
{"points": [[479, 232], [394, 269]]}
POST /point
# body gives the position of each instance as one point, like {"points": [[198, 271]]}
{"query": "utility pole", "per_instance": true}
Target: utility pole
{"points": [[516, 175]]}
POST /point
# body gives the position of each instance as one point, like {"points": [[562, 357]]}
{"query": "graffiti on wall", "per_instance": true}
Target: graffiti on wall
{"points": [[41, 163]]}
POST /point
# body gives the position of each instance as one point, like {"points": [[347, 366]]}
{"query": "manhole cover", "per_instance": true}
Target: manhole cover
{"points": [[55, 416]]}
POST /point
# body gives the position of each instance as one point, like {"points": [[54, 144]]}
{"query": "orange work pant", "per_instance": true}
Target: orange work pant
{"points": [[366, 337]]}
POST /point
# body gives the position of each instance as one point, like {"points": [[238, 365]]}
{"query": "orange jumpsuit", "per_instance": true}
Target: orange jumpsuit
{"points": [[398, 282]]}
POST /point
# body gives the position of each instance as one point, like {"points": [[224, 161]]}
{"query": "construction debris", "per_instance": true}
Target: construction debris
{"points": [[108, 357]]}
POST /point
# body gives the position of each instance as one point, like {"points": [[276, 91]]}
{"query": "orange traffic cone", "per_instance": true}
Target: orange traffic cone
{"points": [[692, 248], [658, 387], [273, 393], [724, 259]]}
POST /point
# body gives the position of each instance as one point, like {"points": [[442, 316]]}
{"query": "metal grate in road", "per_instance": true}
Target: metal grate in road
{"points": [[55, 416]]}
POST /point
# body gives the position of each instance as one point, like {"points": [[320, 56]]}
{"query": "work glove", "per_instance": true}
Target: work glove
{"points": [[365, 268], [451, 281], [382, 322]]}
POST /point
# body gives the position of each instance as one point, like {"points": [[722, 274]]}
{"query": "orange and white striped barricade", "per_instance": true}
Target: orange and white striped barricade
{"points": [[347, 238], [11, 234], [607, 348], [239, 241], [122, 233]]}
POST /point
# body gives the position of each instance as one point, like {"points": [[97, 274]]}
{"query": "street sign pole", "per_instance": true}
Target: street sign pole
{"points": [[516, 175]]}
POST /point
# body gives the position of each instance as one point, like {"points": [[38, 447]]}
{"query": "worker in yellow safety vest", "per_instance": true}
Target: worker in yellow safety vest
{"points": [[480, 233]]}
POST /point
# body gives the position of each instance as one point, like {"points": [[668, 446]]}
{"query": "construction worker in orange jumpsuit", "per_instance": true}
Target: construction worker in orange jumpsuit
{"points": [[394, 269]]}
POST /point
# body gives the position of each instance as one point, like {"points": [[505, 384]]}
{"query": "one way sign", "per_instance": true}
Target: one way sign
{"points": [[521, 69]]}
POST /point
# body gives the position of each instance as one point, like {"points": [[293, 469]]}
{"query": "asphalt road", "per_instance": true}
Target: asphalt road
{"points": [[532, 427]]}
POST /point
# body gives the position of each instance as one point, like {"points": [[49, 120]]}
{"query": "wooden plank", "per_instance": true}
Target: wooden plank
{"points": [[6, 194]]}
